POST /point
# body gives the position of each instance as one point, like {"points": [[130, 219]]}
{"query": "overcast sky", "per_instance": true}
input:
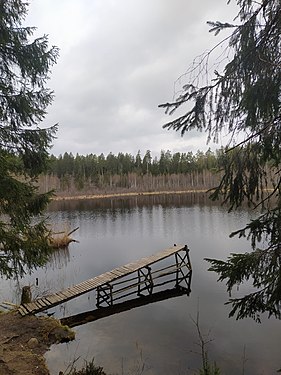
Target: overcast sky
{"points": [[119, 59]]}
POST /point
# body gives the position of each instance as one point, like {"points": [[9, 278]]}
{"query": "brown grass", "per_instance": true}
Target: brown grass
{"points": [[61, 239]]}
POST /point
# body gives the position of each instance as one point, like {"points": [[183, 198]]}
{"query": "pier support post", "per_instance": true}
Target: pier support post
{"points": [[184, 270], [145, 280], [104, 295]]}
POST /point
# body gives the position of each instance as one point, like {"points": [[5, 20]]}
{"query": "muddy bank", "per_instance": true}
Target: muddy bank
{"points": [[25, 340]]}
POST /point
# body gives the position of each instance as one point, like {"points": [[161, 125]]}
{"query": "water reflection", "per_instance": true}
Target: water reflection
{"points": [[59, 258], [105, 312], [118, 231], [125, 203]]}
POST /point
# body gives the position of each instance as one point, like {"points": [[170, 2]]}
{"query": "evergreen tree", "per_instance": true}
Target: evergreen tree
{"points": [[146, 162], [243, 97], [24, 69]]}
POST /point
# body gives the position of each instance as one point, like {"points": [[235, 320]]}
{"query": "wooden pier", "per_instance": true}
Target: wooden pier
{"points": [[142, 278]]}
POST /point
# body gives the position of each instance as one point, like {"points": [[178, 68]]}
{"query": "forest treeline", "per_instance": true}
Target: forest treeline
{"points": [[91, 165], [96, 174]]}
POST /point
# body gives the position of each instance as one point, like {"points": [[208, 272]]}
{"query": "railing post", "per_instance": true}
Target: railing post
{"points": [[104, 294], [183, 261], [146, 279]]}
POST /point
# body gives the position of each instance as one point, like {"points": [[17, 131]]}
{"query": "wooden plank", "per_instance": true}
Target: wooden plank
{"points": [[30, 306], [160, 255], [119, 271], [143, 264], [47, 303], [35, 305], [54, 301], [90, 283], [95, 282], [117, 274], [127, 269], [80, 284], [81, 287], [137, 265], [102, 279], [39, 307], [44, 302], [86, 282], [100, 283], [68, 292], [86, 289], [51, 298], [40, 304], [69, 295], [154, 258], [66, 295], [109, 276], [23, 311], [157, 257], [113, 275], [78, 290], [131, 267], [29, 309], [105, 277], [59, 297], [72, 290], [90, 286]]}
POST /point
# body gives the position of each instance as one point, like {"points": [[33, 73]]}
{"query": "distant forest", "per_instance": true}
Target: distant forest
{"points": [[100, 174]]}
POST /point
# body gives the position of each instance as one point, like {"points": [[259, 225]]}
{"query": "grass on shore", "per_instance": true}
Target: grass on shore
{"points": [[89, 369]]}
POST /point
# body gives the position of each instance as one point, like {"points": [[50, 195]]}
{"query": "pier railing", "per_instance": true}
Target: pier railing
{"points": [[145, 277], [169, 272]]}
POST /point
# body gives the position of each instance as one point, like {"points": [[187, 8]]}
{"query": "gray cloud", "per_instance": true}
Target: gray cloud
{"points": [[119, 60]]}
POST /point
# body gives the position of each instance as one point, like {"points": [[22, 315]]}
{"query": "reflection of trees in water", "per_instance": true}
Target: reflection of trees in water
{"points": [[59, 258], [165, 200], [39, 282]]}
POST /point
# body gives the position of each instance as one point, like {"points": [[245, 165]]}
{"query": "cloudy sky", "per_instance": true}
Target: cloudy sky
{"points": [[119, 59]]}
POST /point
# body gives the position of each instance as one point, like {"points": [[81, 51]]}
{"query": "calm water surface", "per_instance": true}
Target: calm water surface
{"points": [[159, 338]]}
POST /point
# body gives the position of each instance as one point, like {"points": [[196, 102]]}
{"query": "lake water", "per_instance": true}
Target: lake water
{"points": [[159, 338]]}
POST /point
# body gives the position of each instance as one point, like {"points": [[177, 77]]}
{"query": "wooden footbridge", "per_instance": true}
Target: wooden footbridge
{"points": [[143, 278]]}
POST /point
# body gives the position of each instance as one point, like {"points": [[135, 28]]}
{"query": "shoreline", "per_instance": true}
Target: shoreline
{"points": [[124, 195], [25, 340]]}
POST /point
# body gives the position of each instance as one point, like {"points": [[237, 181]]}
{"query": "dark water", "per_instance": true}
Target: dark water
{"points": [[160, 338]]}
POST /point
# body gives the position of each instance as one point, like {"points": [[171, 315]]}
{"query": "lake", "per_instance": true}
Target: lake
{"points": [[159, 338]]}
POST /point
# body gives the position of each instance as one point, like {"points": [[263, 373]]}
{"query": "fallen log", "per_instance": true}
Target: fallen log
{"points": [[61, 239]]}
